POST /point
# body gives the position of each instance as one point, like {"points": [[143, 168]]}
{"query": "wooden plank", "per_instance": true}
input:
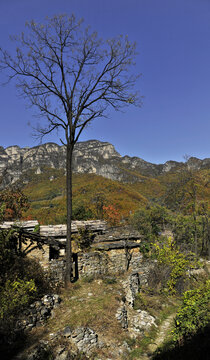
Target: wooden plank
{"points": [[115, 246]]}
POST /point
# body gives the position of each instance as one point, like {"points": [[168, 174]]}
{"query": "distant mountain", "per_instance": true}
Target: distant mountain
{"points": [[91, 156]]}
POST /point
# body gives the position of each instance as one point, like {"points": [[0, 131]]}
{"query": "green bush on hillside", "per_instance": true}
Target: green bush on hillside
{"points": [[22, 280], [84, 239], [150, 222], [194, 313], [14, 296], [187, 228], [80, 212], [171, 267]]}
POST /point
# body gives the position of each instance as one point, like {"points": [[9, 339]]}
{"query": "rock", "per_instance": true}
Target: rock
{"points": [[101, 344], [61, 353], [57, 299], [60, 350], [140, 321], [126, 346], [121, 316], [39, 324], [52, 314], [38, 303], [33, 311], [79, 337], [132, 288], [30, 320], [67, 332], [63, 356], [26, 312], [45, 312], [85, 339], [30, 326], [38, 312], [47, 300], [91, 156], [41, 351]]}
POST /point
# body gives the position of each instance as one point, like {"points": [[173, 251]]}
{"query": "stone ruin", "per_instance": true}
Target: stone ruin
{"points": [[114, 250]]}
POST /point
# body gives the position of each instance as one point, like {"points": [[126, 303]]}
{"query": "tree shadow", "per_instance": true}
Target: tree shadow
{"points": [[195, 348], [12, 348]]}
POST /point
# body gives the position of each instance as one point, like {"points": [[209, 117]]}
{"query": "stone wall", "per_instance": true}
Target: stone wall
{"points": [[56, 270], [38, 312], [33, 316], [41, 255], [113, 251], [106, 262], [99, 263], [94, 263], [136, 322]]}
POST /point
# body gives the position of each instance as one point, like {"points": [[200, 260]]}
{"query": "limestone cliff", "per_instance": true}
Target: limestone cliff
{"points": [[91, 156]]}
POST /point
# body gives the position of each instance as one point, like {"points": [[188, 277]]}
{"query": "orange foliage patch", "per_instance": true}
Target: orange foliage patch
{"points": [[111, 215]]}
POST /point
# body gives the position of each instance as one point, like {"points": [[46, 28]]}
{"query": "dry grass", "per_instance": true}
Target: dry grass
{"points": [[90, 304], [93, 303]]}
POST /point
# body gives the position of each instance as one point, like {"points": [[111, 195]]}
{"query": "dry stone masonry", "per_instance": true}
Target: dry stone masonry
{"points": [[107, 255], [38, 312], [84, 338], [134, 321], [140, 321]]}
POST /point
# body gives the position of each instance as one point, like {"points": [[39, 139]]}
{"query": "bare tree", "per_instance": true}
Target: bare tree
{"points": [[71, 77]]}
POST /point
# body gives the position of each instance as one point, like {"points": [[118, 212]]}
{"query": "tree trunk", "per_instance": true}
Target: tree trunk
{"points": [[68, 272], [203, 235], [195, 235], [208, 236]]}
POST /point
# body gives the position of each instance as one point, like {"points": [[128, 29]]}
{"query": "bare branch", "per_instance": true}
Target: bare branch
{"points": [[71, 77]]}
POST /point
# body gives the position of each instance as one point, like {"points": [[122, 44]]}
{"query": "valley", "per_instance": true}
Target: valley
{"points": [[127, 298]]}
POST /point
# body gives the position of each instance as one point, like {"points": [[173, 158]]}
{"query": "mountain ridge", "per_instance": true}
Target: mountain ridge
{"points": [[92, 156]]}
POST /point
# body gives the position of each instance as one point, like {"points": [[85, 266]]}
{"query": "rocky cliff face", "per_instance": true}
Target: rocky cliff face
{"points": [[92, 156]]}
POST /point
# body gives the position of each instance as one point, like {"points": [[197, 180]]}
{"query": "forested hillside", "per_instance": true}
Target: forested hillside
{"points": [[176, 191], [170, 213]]}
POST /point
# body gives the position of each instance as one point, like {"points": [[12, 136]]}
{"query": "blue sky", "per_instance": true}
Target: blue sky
{"points": [[173, 43]]}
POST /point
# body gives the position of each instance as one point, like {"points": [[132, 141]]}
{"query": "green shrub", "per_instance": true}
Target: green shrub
{"points": [[28, 268], [84, 238], [150, 222], [80, 212], [140, 302], [15, 295], [88, 279], [172, 265], [194, 313], [36, 229], [144, 248], [21, 281], [109, 280], [14, 265], [8, 244]]}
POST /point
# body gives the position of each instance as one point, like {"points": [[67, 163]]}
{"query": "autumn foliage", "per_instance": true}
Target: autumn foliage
{"points": [[12, 204], [111, 215], [93, 195]]}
